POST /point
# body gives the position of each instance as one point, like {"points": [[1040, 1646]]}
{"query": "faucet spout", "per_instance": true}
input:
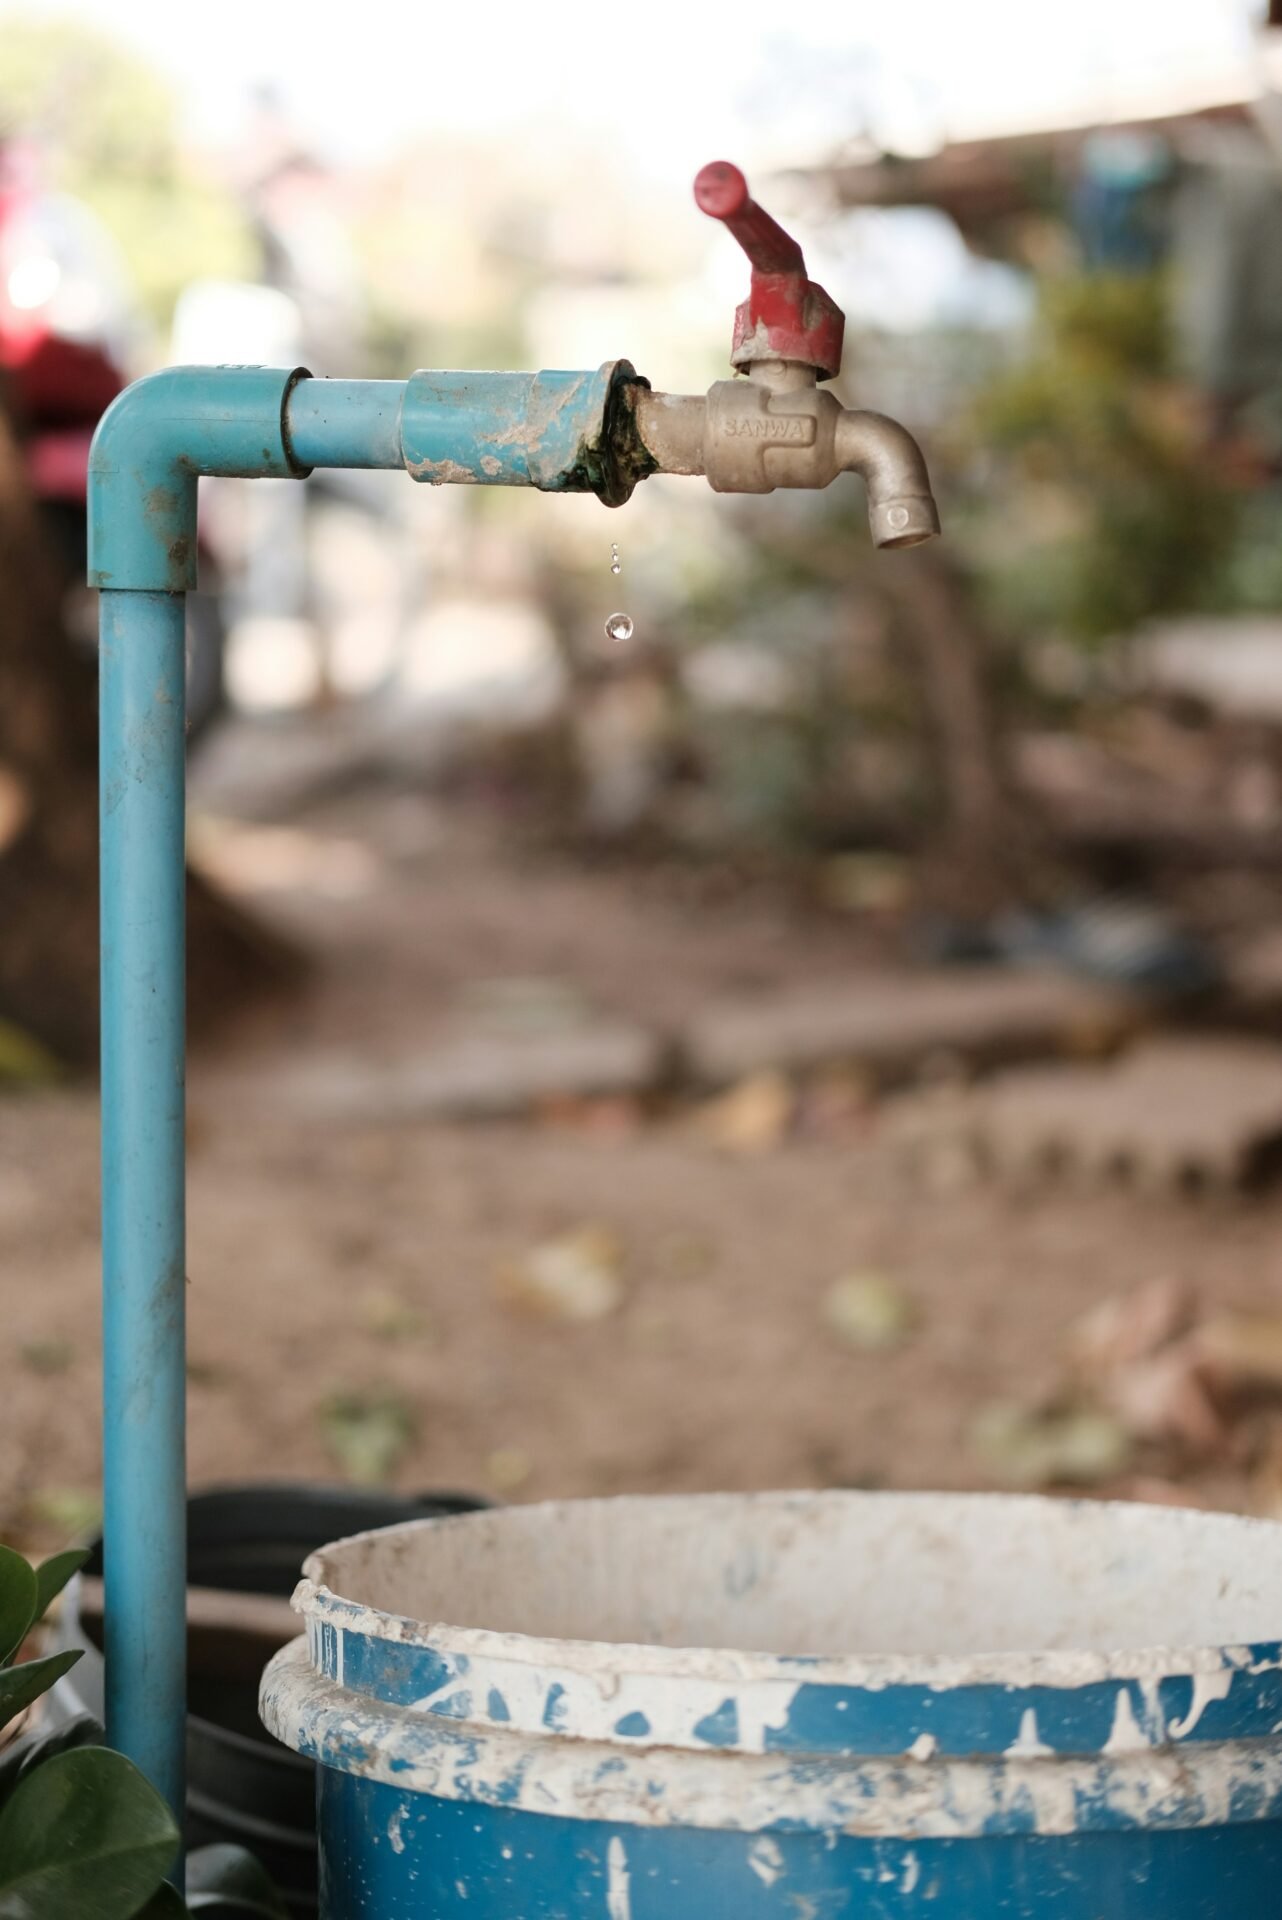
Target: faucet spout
{"points": [[901, 505], [778, 429]]}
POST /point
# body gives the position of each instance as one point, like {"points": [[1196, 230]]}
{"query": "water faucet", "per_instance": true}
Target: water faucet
{"points": [[593, 432], [777, 427]]}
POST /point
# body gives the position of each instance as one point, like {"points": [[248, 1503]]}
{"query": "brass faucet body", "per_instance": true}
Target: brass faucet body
{"points": [[779, 428]]}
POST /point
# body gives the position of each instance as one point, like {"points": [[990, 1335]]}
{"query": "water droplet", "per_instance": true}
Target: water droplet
{"points": [[619, 626], [616, 565]]}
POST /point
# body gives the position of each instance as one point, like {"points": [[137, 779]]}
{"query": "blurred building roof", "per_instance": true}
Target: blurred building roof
{"points": [[999, 172]]}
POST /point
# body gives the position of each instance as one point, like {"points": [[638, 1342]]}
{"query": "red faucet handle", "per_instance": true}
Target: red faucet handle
{"points": [[786, 316], [721, 191]]}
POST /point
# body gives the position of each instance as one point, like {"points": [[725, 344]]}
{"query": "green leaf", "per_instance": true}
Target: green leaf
{"points": [[47, 1356], [226, 1879], [22, 1756], [22, 1057], [87, 1835], [53, 1574], [74, 1511], [166, 1903], [368, 1431], [226, 1906], [19, 1686], [17, 1601]]}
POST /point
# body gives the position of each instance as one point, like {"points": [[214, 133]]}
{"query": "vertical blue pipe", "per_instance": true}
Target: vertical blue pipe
{"points": [[143, 882]]}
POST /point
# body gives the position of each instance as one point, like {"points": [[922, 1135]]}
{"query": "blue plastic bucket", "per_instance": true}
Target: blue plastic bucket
{"points": [[794, 1707]]}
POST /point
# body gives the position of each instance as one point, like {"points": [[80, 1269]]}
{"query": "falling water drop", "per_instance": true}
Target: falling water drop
{"points": [[616, 565], [619, 626]]}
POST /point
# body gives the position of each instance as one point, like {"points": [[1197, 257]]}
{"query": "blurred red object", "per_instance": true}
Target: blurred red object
{"points": [[57, 308]]}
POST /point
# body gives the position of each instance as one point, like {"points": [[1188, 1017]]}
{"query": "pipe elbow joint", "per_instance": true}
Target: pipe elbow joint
{"points": [[901, 504], [152, 445]]}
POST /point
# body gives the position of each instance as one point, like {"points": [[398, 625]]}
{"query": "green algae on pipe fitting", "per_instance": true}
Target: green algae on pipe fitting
{"points": [[560, 432]]}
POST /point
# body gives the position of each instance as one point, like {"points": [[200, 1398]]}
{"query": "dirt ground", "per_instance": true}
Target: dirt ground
{"points": [[331, 1258]]}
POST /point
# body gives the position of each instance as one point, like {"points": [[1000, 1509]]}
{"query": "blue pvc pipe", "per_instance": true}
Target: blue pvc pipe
{"points": [[545, 430], [142, 804], [345, 423]]}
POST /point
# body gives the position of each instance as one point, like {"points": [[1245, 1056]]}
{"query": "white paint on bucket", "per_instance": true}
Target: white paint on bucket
{"points": [[1127, 1736], [873, 1798], [618, 1892], [1154, 1714], [593, 1700], [1207, 1687], [1027, 1744], [766, 1860]]}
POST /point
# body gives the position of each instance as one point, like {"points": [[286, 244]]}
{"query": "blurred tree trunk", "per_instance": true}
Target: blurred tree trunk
{"points": [[981, 862], [49, 817]]}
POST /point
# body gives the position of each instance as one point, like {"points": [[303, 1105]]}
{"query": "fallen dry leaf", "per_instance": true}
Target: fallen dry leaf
{"points": [[1138, 1356], [1042, 1447], [1166, 1397], [387, 1314], [752, 1117], [1265, 1486], [508, 1469], [576, 1277], [1131, 1326], [367, 1431], [871, 1311], [1241, 1351]]}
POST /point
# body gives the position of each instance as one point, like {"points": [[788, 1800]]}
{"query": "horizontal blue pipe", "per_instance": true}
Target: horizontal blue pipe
{"points": [[345, 423], [480, 429], [142, 774]]}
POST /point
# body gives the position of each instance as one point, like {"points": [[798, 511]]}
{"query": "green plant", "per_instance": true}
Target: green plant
{"points": [[1104, 507], [81, 1830]]}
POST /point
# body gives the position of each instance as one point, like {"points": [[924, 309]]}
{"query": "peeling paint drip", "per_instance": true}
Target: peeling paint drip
{"points": [[766, 1860], [618, 1890], [1128, 1736], [1028, 1746], [1207, 1688]]}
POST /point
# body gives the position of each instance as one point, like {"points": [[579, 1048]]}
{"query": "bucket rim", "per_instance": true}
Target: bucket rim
{"points": [[1051, 1667], [909, 1795]]}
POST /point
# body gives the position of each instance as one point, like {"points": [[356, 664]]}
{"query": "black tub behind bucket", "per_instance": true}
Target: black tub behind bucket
{"points": [[252, 1540]]}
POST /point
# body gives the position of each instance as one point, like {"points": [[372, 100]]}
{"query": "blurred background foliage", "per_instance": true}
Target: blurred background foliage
{"points": [[108, 123], [1101, 506]]}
